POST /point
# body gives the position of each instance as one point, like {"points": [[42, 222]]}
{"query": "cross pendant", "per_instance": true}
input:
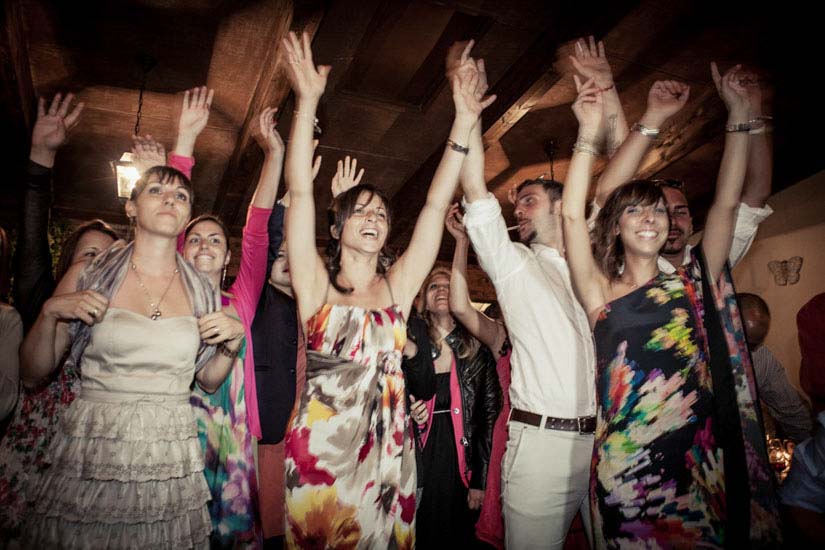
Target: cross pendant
{"points": [[156, 314]]}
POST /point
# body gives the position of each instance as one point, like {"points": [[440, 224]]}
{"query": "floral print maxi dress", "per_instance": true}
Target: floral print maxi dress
{"points": [[350, 465], [657, 473]]}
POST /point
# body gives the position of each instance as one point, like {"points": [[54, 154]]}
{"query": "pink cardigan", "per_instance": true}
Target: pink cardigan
{"points": [[457, 417], [246, 290]]}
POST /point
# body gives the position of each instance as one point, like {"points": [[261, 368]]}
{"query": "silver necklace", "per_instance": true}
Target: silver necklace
{"points": [[154, 309]]}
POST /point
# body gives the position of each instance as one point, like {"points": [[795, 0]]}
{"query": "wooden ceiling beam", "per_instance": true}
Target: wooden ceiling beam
{"points": [[272, 88]]}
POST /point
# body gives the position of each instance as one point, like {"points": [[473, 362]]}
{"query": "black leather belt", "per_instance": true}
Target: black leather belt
{"points": [[582, 424]]}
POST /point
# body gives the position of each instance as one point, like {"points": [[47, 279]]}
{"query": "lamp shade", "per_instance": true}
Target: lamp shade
{"points": [[127, 175]]}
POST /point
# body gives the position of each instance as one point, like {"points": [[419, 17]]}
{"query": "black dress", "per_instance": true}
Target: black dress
{"points": [[443, 519]]}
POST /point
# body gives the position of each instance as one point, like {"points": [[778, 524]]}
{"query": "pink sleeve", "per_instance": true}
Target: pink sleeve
{"points": [[254, 249], [246, 290], [184, 164]]}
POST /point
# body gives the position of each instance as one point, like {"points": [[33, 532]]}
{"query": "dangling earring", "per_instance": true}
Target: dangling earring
{"points": [[223, 277]]}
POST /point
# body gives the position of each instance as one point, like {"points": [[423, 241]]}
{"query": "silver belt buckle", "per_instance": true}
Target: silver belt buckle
{"points": [[579, 423]]}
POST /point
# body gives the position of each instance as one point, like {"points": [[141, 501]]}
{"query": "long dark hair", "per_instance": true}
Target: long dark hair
{"points": [[607, 244], [341, 210], [69, 244]]}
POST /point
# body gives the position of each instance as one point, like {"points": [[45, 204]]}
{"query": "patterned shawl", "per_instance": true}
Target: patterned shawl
{"points": [[748, 477], [105, 275]]}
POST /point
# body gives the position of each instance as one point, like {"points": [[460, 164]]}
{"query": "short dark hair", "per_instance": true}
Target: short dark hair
{"points": [[673, 183], [553, 188], [608, 248], [342, 208], [69, 244], [753, 301], [163, 173]]}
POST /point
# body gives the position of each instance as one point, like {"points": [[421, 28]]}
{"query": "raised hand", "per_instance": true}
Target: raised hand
{"points": [[733, 93], [455, 223], [52, 127], [591, 62], [146, 153], [665, 99], [195, 112], [588, 109], [218, 327], [346, 176], [194, 115], [750, 81], [85, 305], [468, 81], [307, 80], [270, 140]]}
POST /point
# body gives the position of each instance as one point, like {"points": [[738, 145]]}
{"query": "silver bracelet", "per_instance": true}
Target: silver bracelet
{"points": [[651, 133], [585, 147], [458, 148]]}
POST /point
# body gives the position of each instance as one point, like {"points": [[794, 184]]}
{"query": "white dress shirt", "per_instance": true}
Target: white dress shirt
{"points": [[747, 223], [553, 359]]}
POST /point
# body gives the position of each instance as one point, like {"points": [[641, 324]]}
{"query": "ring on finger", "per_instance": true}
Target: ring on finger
{"points": [[94, 313]]}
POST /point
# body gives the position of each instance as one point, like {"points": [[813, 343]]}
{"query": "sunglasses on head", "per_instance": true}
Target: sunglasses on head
{"points": [[669, 182]]}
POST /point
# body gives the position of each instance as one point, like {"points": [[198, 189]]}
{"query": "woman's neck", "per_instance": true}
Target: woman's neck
{"points": [[358, 271], [639, 269], [156, 255], [444, 323]]}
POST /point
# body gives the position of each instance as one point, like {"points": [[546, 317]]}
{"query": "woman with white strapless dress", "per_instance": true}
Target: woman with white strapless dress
{"points": [[126, 467]]}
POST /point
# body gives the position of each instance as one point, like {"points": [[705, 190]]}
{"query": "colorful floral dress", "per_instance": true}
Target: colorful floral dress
{"points": [[23, 448], [658, 469], [229, 459], [657, 474], [350, 464]]}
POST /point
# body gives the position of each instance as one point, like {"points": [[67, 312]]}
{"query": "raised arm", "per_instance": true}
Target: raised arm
{"points": [[665, 99], [193, 118], [588, 280], [148, 152], [33, 279], [308, 274], [252, 271], [718, 234], [413, 266], [591, 62], [488, 332], [758, 176]]}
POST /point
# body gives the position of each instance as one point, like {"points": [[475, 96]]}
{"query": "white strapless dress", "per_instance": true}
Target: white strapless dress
{"points": [[126, 466]]}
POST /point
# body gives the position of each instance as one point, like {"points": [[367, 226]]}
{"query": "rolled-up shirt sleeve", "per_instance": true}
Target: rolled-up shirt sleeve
{"points": [[748, 219], [498, 255]]}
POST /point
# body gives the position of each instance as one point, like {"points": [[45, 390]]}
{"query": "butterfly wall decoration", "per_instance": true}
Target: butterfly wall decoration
{"points": [[786, 272]]}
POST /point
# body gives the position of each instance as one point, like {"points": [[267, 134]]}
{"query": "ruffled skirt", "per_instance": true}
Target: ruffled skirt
{"points": [[126, 472]]}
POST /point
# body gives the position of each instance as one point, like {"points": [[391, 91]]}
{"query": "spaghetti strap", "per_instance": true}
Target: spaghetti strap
{"points": [[326, 292], [392, 298]]}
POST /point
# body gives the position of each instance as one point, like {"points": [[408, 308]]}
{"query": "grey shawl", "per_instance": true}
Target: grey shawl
{"points": [[105, 275]]}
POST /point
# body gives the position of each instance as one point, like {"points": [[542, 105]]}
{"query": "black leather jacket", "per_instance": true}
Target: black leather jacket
{"points": [[480, 393], [481, 403], [33, 279]]}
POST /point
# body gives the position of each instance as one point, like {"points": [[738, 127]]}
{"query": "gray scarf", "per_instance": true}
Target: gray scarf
{"points": [[105, 275]]}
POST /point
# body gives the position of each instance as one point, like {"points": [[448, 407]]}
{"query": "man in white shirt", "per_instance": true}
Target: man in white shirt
{"points": [[546, 469]]}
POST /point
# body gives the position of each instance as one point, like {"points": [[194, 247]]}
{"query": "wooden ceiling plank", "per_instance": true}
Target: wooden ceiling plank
{"points": [[18, 61], [271, 88]]}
